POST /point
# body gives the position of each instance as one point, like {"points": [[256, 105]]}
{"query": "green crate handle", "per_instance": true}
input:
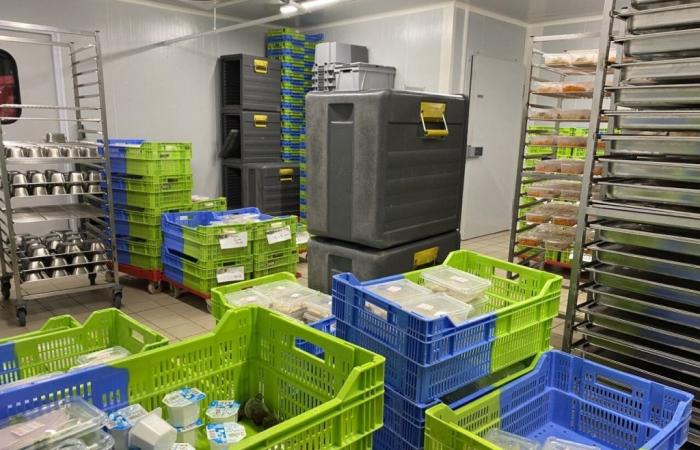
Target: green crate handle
{"points": [[57, 323]]}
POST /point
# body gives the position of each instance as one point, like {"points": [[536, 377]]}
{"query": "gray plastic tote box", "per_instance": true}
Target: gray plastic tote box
{"points": [[385, 167], [328, 257]]}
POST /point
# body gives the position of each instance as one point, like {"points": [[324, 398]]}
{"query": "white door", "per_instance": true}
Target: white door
{"points": [[495, 110]]}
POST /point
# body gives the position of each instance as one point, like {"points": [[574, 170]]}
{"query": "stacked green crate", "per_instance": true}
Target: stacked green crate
{"points": [[148, 178]]}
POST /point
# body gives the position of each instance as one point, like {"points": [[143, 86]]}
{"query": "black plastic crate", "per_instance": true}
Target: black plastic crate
{"points": [[250, 83], [273, 188]]}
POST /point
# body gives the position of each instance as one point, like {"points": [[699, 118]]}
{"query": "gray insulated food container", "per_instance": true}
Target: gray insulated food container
{"points": [[256, 135], [250, 83], [272, 187], [385, 167], [328, 257]]}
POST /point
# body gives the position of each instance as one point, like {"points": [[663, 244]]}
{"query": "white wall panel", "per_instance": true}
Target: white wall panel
{"points": [[168, 93]]}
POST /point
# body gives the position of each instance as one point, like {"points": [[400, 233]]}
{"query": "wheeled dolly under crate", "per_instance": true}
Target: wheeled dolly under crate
{"points": [[154, 277]]}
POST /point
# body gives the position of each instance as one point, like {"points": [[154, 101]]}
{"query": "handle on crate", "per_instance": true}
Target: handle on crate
{"points": [[426, 257], [286, 175], [260, 120], [260, 66], [433, 114]]}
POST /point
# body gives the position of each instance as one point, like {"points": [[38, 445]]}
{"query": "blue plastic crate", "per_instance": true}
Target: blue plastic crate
{"points": [[288, 158], [293, 107], [314, 37], [326, 325], [385, 439]]}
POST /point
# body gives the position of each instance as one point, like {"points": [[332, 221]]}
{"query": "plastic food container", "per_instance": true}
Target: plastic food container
{"points": [[283, 290], [543, 113], [530, 238], [456, 283], [510, 441], [584, 58], [579, 87], [221, 411], [152, 433], [572, 166], [571, 141], [50, 425], [547, 87], [548, 165], [96, 440], [543, 140], [438, 305], [554, 443], [574, 114], [222, 435], [183, 406], [570, 190], [564, 219], [544, 189], [101, 357], [120, 422], [248, 297], [188, 434], [317, 306], [557, 59], [399, 291]]}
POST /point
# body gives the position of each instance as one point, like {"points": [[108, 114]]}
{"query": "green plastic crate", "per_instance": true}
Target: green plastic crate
{"points": [[152, 200], [210, 204], [208, 269], [153, 184], [154, 151], [57, 351], [57, 323], [148, 232], [205, 285], [264, 261], [142, 254], [273, 270], [290, 33], [206, 252], [159, 167], [333, 402], [219, 305]]}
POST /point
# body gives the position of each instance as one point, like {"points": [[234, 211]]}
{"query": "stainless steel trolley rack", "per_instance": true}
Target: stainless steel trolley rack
{"points": [[636, 304], [539, 71], [63, 200]]}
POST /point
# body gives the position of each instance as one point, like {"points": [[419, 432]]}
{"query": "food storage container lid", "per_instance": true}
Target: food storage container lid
{"points": [[50, 424], [190, 427], [219, 409], [318, 304], [183, 397], [248, 297], [399, 291], [457, 280], [181, 446], [284, 290], [434, 306], [125, 418], [101, 357]]}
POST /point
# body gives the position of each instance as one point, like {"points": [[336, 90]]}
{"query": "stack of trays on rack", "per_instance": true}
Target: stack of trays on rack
{"points": [[385, 190], [643, 315], [444, 328], [148, 178], [205, 249]]}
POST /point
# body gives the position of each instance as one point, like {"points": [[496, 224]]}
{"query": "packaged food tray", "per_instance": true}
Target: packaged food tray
{"points": [[573, 399], [252, 350], [57, 350]]}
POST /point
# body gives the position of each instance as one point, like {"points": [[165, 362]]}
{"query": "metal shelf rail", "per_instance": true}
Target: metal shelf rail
{"points": [[636, 304], [86, 208], [539, 71]]}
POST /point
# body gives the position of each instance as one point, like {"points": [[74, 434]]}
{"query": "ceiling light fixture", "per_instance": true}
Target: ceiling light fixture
{"points": [[289, 8], [310, 5]]}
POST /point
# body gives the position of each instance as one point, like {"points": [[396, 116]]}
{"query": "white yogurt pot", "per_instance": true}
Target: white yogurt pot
{"points": [[222, 411], [188, 434], [183, 406], [152, 433], [223, 435]]}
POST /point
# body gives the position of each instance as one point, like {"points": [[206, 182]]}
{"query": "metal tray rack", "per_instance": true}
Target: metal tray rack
{"points": [[89, 213], [641, 308], [538, 72]]}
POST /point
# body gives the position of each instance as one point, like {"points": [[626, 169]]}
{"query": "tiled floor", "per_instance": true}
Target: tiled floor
{"points": [[183, 317]]}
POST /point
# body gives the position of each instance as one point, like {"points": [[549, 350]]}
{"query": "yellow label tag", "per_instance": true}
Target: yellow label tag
{"points": [[260, 120], [260, 66], [425, 257]]}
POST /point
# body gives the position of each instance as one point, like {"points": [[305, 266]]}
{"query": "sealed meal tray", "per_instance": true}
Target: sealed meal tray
{"points": [[557, 59], [399, 291], [544, 189], [456, 283], [96, 440], [283, 290], [543, 113], [317, 306], [530, 238], [548, 166], [539, 214], [574, 114], [547, 87], [50, 424], [247, 297], [572, 166], [434, 306], [572, 141], [544, 140]]}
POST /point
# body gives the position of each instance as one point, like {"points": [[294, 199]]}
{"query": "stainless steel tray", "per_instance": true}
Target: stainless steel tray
{"points": [[669, 43], [656, 169], [657, 121], [647, 213], [645, 283], [663, 18], [653, 192], [646, 306], [653, 352], [657, 95], [642, 327], [653, 145], [670, 264], [646, 4], [663, 71]]}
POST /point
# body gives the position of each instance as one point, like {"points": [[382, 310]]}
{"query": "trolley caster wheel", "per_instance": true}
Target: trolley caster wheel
{"points": [[176, 292], [117, 300], [92, 277], [22, 317], [109, 276], [6, 287], [154, 287]]}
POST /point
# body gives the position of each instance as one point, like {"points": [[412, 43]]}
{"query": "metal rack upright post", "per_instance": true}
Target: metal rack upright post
{"points": [[89, 212], [636, 305]]}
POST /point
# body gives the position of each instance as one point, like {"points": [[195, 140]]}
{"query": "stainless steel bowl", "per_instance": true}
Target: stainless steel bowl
{"points": [[40, 252], [52, 152], [58, 273], [72, 152], [34, 276], [19, 179], [57, 177], [33, 152], [94, 175], [81, 270], [100, 268], [96, 247], [19, 239], [30, 245], [79, 259], [67, 247], [20, 192], [38, 178], [76, 189], [76, 177], [92, 152], [58, 189], [94, 188], [14, 152], [58, 261], [99, 257], [52, 242], [40, 190], [62, 233], [36, 265]]}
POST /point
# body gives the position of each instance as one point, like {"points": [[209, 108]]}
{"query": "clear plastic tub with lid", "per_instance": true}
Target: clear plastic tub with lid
{"points": [[316, 307], [283, 290], [101, 357], [247, 297], [439, 305], [96, 440], [399, 291], [456, 283], [50, 425]]}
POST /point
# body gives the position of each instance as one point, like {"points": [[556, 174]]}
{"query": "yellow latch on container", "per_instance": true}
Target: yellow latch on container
{"points": [[432, 114], [260, 66], [286, 175], [260, 120], [426, 257]]}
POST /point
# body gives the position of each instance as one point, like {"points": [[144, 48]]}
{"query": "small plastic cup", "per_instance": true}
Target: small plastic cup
{"points": [[152, 433], [183, 406], [222, 411], [188, 434], [120, 422], [223, 435]]}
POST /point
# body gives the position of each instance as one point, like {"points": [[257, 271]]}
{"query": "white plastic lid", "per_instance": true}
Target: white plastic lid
{"points": [[181, 446], [183, 397], [50, 424], [433, 306], [399, 291], [457, 280], [222, 409], [101, 357], [125, 418], [247, 297], [284, 290], [225, 433]]}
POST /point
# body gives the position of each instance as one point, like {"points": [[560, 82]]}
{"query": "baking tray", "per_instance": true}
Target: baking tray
{"points": [[645, 283], [653, 191], [641, 327], [656, 169], [653, 352], [646, 306], [646, 4], [656, 95], [663, 263], [653, 145], [666, 17], [672, 44], [640, 212], [657, 121], [663, 71], [640, 367]]}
